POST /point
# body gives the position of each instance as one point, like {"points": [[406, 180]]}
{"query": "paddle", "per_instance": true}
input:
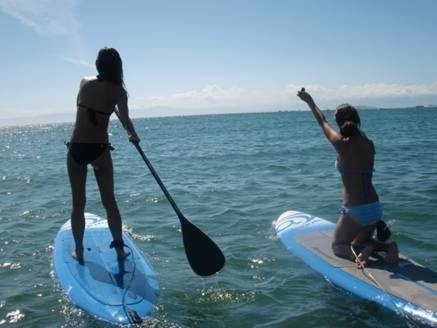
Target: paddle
{"points": [[204, 256]]}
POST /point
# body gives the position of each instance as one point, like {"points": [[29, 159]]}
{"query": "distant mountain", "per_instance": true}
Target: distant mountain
{"points": [[413, 107]]}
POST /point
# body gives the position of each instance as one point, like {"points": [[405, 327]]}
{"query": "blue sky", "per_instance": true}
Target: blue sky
{"points": [[200, 57]]}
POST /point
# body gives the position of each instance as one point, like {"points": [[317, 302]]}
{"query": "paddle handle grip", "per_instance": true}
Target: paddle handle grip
{"points": [[158, 180]]}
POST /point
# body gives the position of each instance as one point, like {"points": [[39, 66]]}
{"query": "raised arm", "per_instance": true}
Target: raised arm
{"points": [[333, 136], [122, 112]]}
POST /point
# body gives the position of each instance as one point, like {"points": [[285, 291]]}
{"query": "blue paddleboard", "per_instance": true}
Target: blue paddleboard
{"points": [[120, 292], [407, 288]]}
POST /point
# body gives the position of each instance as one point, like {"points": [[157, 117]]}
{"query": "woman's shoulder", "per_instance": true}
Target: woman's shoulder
{"points": [[99, 83], [87, 79]]}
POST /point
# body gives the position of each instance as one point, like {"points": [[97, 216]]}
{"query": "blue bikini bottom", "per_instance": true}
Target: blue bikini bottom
{"points": [[367, 214]]}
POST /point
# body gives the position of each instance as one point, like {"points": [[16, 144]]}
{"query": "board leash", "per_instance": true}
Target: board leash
{"points": [[368, 275], [366, 272], [131, 315]]}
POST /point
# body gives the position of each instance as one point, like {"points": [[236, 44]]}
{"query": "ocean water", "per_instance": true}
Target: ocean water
{"points": [[232, 176]]}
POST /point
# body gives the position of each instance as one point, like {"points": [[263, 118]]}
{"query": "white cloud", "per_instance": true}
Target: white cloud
{"points": [[215, 96], [367, 91], [211, 94], [80, 62]]}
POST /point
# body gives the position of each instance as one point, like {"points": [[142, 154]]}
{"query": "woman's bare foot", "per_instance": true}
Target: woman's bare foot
{"points": [[364, 255], [392, 253], [78, 255], [118, 245]]}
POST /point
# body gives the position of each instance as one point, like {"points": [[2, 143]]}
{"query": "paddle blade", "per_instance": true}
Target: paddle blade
{"points": [[204, 256]]}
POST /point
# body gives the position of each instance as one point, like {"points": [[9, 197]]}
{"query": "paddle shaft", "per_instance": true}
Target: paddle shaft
{"points": [[158, 180]]}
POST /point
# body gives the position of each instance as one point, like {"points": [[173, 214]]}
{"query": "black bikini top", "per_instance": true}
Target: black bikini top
{"points": [[92, 113]]}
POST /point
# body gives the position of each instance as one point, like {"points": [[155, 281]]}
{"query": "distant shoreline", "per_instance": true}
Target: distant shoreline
{"points": [[414, 107], [393, 108]]}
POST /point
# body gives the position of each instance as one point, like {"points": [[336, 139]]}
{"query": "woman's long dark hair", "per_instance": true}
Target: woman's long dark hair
{"points": [[348, 120], [109, 66]]}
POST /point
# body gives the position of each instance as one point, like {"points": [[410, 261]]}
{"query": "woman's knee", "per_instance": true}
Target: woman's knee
{"points": [[341, 249], [336, 247]]}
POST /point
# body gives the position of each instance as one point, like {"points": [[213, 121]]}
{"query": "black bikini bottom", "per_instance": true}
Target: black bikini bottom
{"points": [[85, 153]]}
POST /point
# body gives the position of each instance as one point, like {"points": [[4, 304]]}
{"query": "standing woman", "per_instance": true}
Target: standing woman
{"points": [[361, 210], [97, 99]]}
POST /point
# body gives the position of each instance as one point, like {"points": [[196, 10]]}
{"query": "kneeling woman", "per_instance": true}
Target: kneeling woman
{"points": [[361, 210]]}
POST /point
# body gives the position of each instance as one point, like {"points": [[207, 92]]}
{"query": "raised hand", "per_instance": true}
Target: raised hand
{"points": [[305, 96]]}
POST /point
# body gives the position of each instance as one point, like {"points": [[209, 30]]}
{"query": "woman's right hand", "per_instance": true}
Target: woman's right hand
{"points": [[134, 139], [305, 96]]}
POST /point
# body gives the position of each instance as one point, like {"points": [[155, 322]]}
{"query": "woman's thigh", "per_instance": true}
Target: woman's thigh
{"points": [[103, 170], [346, 230], [77, 174]]}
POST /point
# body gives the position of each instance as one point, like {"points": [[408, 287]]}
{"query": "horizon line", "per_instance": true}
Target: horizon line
{"points": [[13, 122]]}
